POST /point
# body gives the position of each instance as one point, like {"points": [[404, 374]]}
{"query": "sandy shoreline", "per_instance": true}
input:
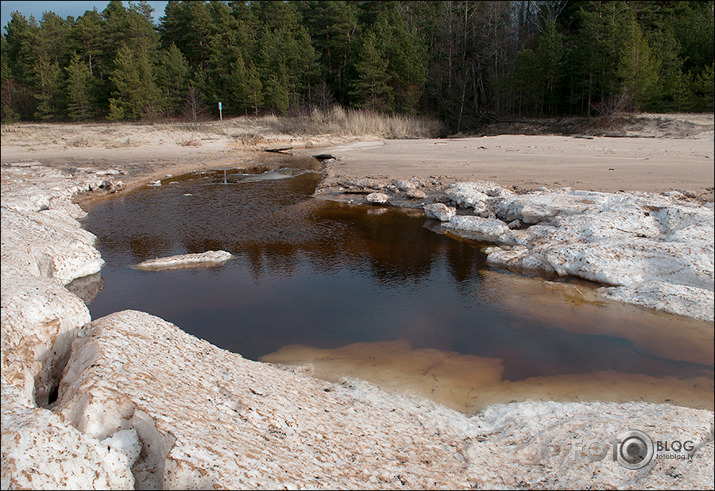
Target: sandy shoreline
{"points": [[656, 162], [530, 162]]}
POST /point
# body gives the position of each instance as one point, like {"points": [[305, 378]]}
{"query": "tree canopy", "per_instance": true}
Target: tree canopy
{"points": [[464, 61]]}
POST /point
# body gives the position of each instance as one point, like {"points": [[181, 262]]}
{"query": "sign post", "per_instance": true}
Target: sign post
{"points": [[220, 112]]}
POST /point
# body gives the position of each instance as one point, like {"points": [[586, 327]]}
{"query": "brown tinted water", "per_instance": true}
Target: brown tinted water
{"points": [[372, 293]]}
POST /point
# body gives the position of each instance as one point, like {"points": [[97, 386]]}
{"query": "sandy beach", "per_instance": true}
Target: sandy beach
{"points": [[652, 157], [529, 162]]}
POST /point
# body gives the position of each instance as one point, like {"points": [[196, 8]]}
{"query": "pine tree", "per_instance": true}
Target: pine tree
{"points": [[371, 88], [80, 104], [86, 33], [287, 67], [702, 90], [406, 54], [550, 54], [47, 84], [254, 87], [600, 37], [333, 28], [672, 85], [116, 110], [188, 26], [136, 93], [638, 69], [8, 87], [238, 98], [19, 48], [53, 37], [172, 78]]}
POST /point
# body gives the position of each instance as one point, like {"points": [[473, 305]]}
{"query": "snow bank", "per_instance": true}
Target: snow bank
{"points": [[131, 400], [655, 250]]}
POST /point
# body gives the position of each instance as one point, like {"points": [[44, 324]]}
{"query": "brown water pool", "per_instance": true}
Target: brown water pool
{"points": [[372, 293]]}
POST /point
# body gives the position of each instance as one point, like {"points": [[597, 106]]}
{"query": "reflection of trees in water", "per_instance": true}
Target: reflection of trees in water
{"points": [[275, 225], [396, 247], [147, 246], [280, 233]]}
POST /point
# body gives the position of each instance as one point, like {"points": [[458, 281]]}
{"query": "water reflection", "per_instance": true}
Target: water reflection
{"points": [[274, 224], [325, 275]]}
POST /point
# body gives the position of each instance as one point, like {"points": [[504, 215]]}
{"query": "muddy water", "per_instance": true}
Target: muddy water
{"points": [[372, 293]]}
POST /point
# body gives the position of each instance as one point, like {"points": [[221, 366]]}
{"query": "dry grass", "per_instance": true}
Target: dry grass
{"points": [[83, 142], [250, 139], [351, 122], [337, 122], [242, 132]]}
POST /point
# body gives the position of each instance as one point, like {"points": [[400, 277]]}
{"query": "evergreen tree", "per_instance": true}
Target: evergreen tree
{"points": [[693, 24], [238, 98], [52, 38], [20, 51], [48, 56], [136, 95], [224, 50], [86, 34], [333, 28], [134, 29], [47, 85], [702, 90], [254, 94], [638, 68], [247, 88], [195, 33], [599, 39], [371, 88], [80, 103], [550, 54], [467, 61], [8, 87], [287, 67], [172, 78], [276, 15], [406, 54], [672, 82]]}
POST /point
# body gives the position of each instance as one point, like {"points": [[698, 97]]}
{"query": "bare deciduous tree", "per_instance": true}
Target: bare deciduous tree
{"points": [[194, 109]]}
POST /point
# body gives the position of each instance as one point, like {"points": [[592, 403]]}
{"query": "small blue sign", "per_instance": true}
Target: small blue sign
{"points": [[219, 106]]}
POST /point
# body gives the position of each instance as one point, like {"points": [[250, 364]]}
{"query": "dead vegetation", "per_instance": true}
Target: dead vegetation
{"points": [[324, 127], [351, 122]]}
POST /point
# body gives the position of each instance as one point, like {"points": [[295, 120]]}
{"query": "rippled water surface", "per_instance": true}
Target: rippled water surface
{"points": [[374, 293]]}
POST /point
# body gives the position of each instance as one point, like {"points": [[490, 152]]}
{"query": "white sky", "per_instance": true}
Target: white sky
{"points": [[63, 9]]}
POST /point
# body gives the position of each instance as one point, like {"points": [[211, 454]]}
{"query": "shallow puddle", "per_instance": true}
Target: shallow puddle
{"points": [[372, 293]]}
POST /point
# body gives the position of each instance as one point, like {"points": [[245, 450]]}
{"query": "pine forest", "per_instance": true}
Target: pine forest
{"points": [[467, 63]]}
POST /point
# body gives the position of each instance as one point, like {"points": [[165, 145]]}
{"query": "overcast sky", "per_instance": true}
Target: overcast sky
{"points": [[63, 9]]}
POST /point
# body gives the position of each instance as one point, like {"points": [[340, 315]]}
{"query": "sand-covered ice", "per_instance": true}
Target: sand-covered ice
{"points": [[182, 261], [131, 400]]}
